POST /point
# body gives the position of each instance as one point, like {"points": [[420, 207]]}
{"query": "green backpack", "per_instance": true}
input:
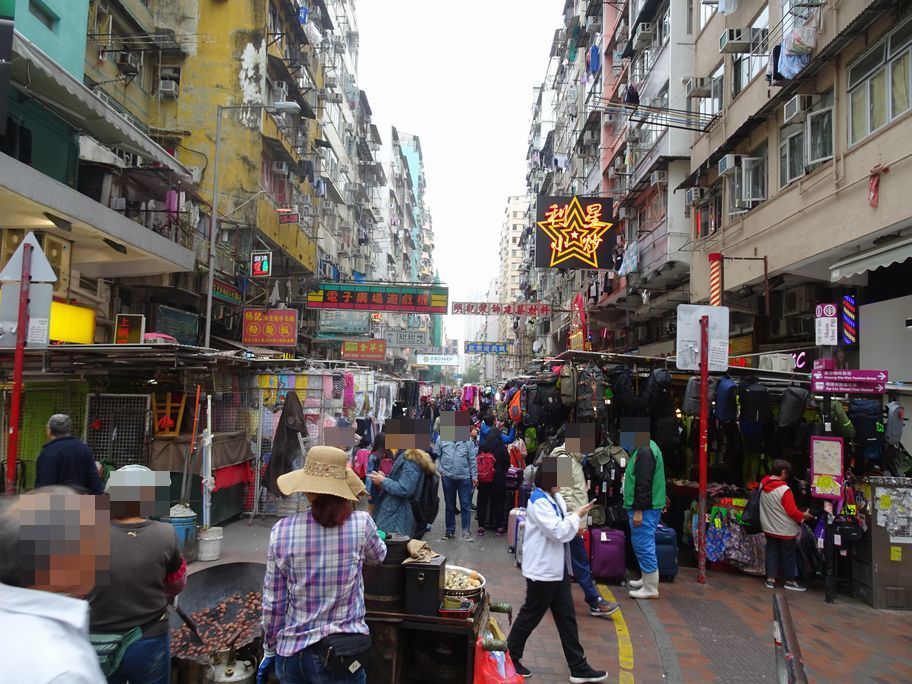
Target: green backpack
{"points": [[530, 437], [568, 381]]}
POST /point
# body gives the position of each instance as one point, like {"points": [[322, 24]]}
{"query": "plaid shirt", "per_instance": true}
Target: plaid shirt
{"points": [[313, 585]]}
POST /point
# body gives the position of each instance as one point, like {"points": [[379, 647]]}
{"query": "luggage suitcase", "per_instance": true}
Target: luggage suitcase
{"points": [[608, 554], [520, 532], [513, 478], [513, 519], [525, 491], [667, 552]]}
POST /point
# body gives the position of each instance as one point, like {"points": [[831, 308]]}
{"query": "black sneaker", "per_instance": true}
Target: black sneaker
{"points": [[521, 669], [794, 586], [770, 585], [588, 675], [447, 536]]}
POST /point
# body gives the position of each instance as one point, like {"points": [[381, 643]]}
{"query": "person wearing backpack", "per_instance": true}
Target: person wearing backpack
{"points": [[781, 522], [458, 471], [644, 499], [379, 453], [393, 513], [491, 496]]}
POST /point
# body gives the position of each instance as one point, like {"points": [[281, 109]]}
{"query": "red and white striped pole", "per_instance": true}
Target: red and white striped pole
{"points": [[716, 281]]}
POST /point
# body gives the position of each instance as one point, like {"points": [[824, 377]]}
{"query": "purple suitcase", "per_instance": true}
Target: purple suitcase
{"points": [[516, 515], [608, 549], [525, 491]]}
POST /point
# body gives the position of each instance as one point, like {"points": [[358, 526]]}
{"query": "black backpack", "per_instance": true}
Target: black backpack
{"points": [[426, 504], [690, 404], [590, 393], [750, 519], [531, 408], [794, 401], [655, 398], [549, 398], [756, 407], [865, 415], [621, 380]]}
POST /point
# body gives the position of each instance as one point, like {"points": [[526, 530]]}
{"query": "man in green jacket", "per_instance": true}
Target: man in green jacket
{"points": [[644, 499]]}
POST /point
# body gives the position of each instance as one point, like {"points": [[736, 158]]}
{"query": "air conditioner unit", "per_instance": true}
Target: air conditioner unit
{"points": [[128, 62], [591, 138], [784, 363], [728, 164], [658, 178], [280, 92], [350, 129], [698, 87], [795, 109], [734, 41], [593, 24], [168, 89], [693, 195], [800, 326], [332, 98], [326, 270], [280, 168], [632, 135], [777, 328], [329, 83], [608, 118], [644, 35], [799, 301]]}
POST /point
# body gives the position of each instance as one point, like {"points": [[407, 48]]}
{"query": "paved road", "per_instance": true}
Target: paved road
{"points": [[721, 631]]}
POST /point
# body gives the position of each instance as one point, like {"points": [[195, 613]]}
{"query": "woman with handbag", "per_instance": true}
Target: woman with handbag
{"points": [[313, 593], [393, 493]]}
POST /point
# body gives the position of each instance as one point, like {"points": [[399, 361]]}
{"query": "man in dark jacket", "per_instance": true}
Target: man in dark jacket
{"points": [[66, 460], [491, 497]]}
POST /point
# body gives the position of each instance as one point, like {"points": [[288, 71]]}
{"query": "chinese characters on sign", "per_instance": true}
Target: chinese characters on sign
{"points": [[225, 292], [487, 348], [449, 350], [404, 298], [438, 359], [826, 325], [406, 338], [289, 218], [364, 350], [129, 329], [261, 264], [270, 327], [498, 309], [574, 232]]}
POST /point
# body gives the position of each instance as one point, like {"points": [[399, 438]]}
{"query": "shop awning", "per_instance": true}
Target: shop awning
{"points": [[40, 77], [871, 259]]}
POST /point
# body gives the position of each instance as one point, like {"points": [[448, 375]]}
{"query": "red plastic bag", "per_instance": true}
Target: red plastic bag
{"points": [[494, 667]]}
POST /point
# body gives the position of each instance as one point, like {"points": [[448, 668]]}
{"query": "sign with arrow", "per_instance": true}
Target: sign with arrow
{"points": [[850, 381]]}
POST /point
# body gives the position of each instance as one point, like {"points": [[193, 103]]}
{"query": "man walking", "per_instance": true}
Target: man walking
{"points": [[580, 438], [66, 460], [458, 471]]}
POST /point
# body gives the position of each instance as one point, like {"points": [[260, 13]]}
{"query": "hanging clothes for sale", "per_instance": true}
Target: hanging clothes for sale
{"points": [[286, 447]]}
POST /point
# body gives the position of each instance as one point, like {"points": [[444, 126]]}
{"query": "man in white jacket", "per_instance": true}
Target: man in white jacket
{"points": [[548, 529]]}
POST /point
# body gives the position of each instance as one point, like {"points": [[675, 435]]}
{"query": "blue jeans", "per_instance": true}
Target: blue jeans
{"points": [[463, 488], [643, 539], [582, 573], [305, 667], [148, 661]]}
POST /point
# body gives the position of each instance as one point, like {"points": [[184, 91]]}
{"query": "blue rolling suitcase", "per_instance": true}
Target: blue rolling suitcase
{"points": [[667, 553]]}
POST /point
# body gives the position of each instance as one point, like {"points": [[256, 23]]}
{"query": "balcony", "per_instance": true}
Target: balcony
{"points": [[661, 261], [289, 237]]}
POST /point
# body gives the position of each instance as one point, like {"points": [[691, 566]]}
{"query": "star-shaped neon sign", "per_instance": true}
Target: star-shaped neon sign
{"points": [[574, 233]]}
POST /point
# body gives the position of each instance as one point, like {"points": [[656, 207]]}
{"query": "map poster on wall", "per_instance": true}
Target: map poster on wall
{"points": [[827, 474]]}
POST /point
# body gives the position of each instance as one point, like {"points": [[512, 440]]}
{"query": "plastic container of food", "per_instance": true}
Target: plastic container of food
{"points": [[462, 611]]}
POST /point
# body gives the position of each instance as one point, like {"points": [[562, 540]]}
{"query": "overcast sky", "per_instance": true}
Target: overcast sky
{"points": [[460, 76]]}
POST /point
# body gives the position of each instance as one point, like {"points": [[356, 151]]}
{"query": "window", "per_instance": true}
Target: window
{"points": [[879, 84], [708, 214], [713, 104], [663, 26], [746, 66], [515, 240], [43, 14], [706, 13], [805, 145], [747, 185]]}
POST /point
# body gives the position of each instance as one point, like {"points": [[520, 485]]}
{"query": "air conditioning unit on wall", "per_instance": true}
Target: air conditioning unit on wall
{"points": [[795, 109], [735, 40], [728, 164], [799, 301]]}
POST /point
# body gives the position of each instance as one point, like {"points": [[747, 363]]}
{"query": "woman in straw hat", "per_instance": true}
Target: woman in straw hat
{"points": [[313, 593], [393, 492]]}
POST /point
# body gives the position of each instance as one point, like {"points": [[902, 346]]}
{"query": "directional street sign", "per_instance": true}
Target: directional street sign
{"points": [[836, 387], [856, 376], [850, 381]]}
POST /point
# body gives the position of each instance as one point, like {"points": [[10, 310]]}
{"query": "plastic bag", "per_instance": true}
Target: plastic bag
{"points": [[792, 65], [801, 40]]}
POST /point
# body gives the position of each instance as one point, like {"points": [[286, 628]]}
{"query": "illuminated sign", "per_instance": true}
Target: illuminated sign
{"points": [[487, 348], [270, 327], [401, 298], [260, 264], [289, 218], [363, 350], [438, 359], [574, 232], [129, 328], [849, 321]]}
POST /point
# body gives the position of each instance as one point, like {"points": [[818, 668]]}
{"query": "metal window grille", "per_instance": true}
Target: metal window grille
{"points": [[117, 428]]}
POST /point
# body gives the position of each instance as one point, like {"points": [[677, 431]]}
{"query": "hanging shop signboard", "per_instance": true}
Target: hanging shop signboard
{"points": [[406, 338], [225, 292], [574, 232], [181, 325], [687, 346], [287, 217], [438, 359], [129, 328], [362, 350], [358, 297], [347, 323], [487, 348], [448, 350], [270, 327], [261, 264], [500, 309]]}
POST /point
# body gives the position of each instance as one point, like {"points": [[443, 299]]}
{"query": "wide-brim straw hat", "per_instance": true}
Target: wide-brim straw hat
{"points": [[324, 472]]}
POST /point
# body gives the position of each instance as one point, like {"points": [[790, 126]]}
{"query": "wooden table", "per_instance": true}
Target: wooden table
{"points": [[390, 633]]}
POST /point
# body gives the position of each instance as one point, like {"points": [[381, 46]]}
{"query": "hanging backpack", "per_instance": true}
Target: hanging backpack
{"points": [[549, 398], [865, 415], [514, 410], [590, 401], [568, 382], [359, 463], [893, 429], [655, 397], [486, 465], [726, 406], [794, 401], [425, 504], [621, 380], [750, 518], [531, 408], [756, 408], [690, 405], [841, 422], [530, 437]]}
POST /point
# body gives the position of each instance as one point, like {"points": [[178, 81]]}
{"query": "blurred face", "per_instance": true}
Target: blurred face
{"points": [[634, 433], [455, 426], [556, 473], [580, 438], [407, 433], [65, 541], [136, 493], [342, 438]]}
